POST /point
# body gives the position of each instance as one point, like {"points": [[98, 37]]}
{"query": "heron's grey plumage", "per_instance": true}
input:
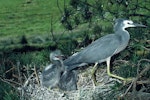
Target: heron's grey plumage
{"points": [[52, 73], [51, 76], [68, 80], [102, 48]]}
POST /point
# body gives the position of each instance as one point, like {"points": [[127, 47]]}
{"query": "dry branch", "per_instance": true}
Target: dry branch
{"points": [[138, 94], [8, 82], [37, 77]]}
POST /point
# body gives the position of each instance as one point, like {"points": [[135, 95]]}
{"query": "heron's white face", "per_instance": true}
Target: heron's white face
{"points": [[56, 55], [56, 58], [128, 23]]}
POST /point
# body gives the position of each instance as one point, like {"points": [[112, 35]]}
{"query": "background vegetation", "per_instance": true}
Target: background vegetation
{"points": [[30, 29]]}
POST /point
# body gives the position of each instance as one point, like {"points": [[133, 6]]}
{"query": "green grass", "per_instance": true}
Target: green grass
{"points": [[19, 17]]}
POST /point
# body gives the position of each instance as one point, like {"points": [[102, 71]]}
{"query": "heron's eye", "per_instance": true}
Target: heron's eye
{"points": [[128, 23], [61, 73]]}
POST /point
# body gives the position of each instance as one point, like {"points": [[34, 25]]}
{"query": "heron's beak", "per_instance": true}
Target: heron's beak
{"points": [[60, 57], [138, 25]]}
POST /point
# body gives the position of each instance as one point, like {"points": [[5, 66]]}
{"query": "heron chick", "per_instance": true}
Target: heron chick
{"points": [[52, 73]]}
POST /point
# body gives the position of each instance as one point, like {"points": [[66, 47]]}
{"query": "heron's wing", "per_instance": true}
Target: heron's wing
{"points": [[68, 80], [97, 51], [50, 71]]}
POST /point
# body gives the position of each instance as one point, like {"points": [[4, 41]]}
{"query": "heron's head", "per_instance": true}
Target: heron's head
{"points": [[124, 23], [56, 55]]}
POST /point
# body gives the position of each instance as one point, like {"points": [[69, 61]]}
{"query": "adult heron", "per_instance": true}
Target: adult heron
{"points": [[104, 48]]}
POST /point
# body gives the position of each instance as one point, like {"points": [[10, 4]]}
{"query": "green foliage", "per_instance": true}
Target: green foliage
{"points": [[7, 92], [116, 86], [97, 29], [37, 58], [126, 71], [83, 11], [67, 46], [28, 17]]}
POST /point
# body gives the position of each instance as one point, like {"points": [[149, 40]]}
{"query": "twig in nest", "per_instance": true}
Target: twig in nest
{"points": [[128, 88], [139, 75], [27, 81], [135, 81], [13, 82], [36, 75], [143, 82], [6, 81], [143, 71], [18, 69], [120, 61], [145, 48], [10, 69], [139, 62]]}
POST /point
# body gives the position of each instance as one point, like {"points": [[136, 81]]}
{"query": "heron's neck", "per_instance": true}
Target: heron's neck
{"points": [[124, 34], [59, 64]]}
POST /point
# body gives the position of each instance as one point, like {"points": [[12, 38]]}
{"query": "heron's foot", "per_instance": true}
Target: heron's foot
{"points": [[53, 88], [49, 88], [94, 75], [126, 80], [95, 82], [94, 79]]}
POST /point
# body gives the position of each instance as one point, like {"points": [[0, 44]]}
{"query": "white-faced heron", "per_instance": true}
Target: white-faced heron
{"points": [[104, 48], [51, 74]]}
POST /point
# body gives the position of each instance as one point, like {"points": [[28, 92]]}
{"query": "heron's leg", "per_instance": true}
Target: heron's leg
{"points": [[94, 74], [112, 75]]}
